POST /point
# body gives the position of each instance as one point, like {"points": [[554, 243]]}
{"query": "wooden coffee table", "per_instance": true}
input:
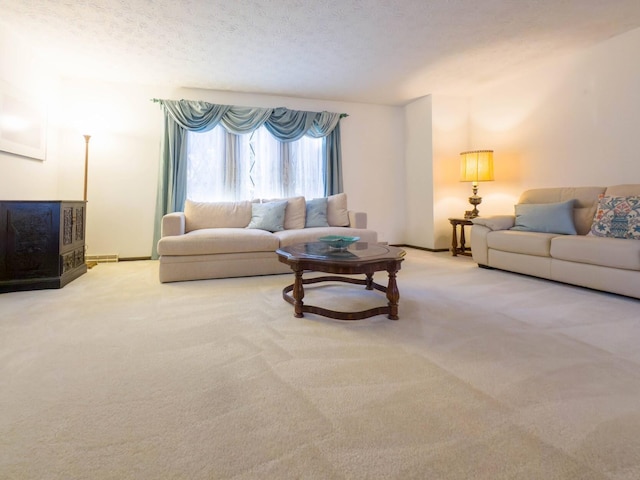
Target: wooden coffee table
{"points": [[359, 258]]}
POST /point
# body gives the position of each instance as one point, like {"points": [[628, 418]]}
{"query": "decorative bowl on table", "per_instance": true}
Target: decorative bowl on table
{"points": [[338, 242]]}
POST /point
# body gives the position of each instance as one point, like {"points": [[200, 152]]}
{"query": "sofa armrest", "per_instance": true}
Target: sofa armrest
{"points": [[357, 219], [483, 226], [479, 247], [496, 222], [173, 224]]}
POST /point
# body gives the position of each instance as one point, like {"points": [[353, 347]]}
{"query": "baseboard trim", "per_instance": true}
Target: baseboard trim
{"points": [[421, 248], [106, 258], [133, 259]]}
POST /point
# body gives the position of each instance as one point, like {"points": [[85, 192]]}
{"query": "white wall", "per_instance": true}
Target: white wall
{"points": [[372, 152], [124, 166], [126, 127], [573, 122], [24, 72], [418, 139], [570, 122], [450, 137], [124, 151], [436, 131]]}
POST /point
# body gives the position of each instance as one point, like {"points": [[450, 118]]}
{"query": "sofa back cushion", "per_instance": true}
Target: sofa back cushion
{"points": [[632, 190], [584, 207], [200, 215]]}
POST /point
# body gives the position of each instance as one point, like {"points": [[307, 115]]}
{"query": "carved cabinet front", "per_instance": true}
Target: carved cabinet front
{"points": [[41, 244]]}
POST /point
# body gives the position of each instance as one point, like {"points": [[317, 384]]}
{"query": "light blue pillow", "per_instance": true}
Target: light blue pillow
{"points": [[316, 213], [545, 217], [268, 216]]}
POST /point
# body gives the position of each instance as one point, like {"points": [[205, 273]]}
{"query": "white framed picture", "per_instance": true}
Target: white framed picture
{"points": [[23, 123]]}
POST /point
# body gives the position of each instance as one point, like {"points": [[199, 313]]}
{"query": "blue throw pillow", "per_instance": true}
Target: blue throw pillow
{"points": [[316, 213], [545, 217], [268, 216]]}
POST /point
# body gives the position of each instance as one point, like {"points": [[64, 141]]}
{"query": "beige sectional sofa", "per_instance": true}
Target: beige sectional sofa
{"points": [[219, 239], [603, 253]]}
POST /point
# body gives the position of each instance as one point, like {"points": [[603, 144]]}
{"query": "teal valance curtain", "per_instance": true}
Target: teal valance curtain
{"points": [[181, 116]]}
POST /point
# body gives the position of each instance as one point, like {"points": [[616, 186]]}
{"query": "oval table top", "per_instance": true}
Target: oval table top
{"points": [[359, 252]]}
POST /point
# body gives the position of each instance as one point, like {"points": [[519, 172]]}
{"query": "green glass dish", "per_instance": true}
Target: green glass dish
{"points": [[338, 242]]}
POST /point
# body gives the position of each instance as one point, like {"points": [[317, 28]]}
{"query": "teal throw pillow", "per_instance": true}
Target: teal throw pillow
{"points": [[268, 216], [316, 213], [545, 217]]}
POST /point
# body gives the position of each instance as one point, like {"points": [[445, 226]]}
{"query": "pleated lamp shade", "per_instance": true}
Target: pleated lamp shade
{"points": [[476, 166]]}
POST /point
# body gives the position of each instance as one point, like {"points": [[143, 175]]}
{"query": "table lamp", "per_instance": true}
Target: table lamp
{"points": [[476, 166]]}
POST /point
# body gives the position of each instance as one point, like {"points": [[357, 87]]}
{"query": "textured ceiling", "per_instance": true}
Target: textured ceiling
{"points": [[377, 51]]}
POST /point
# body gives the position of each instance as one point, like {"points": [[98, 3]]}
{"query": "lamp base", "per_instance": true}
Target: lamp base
{"points": [[474, 200]]}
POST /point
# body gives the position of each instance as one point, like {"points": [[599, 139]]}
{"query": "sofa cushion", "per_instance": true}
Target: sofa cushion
{"points": [[294, 214], [268, 216], [527, 243], [216, 214], [290, 237], [627, 190], [617, 217], [545, 217], [218, 240], [584, 208], [337, 214], [606, 252], [316, 213]]}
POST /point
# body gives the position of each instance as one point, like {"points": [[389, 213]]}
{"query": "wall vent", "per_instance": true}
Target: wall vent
{"points": [[101, 258]]}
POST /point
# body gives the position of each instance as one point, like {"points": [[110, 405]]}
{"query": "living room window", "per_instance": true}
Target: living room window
{"points": [[222, 166], [231, 166]]}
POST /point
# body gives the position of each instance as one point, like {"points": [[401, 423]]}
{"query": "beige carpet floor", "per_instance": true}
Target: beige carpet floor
{"points": [[487, 375]]}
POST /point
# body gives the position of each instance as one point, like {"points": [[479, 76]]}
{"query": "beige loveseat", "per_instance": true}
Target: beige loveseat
{"points": [[591, 257], [213, 240]]}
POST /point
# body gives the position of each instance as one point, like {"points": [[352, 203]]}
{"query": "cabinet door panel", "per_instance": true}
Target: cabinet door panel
{"points": [[29, 240]]}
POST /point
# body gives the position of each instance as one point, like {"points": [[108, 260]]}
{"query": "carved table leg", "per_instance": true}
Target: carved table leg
{"points": [[298, 293], [393, 295], [463, 240], [369, 284], [454, 240]]}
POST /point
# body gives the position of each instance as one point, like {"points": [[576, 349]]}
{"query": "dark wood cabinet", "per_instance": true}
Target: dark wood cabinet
{"points": [[41, 244]]}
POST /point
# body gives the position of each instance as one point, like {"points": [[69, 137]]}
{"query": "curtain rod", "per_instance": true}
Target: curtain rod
{"points": [[159, 100]]}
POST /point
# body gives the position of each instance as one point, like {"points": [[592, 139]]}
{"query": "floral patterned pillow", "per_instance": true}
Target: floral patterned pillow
{"points": [[617, 217]]}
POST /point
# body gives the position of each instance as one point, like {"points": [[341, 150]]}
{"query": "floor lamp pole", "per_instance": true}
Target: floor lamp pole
{"points": [[86, 171], [86, 163]]}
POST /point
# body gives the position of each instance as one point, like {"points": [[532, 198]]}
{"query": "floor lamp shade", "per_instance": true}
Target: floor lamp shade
{"points": [[476, 166]]}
